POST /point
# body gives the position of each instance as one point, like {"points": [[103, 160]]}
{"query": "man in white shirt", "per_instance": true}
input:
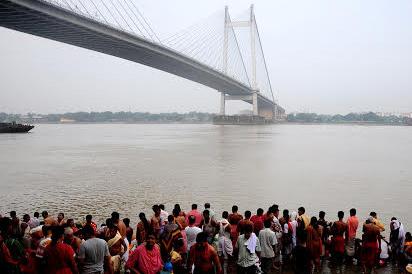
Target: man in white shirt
{"points": [[268, 242], [191, 232]]}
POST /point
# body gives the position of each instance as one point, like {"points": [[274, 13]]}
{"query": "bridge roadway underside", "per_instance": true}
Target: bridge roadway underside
{"points": [[42, 19]]}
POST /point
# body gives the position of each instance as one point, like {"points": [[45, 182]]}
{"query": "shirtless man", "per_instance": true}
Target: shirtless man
{"points": [[203, 256], [370, 244], [119, 223], [338, 229], [155, 221]]}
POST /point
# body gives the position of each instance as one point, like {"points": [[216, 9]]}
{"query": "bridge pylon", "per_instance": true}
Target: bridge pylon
{"points": [[260, 108]]}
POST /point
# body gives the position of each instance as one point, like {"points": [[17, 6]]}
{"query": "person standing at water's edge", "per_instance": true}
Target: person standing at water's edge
{"points": [[352, 225], [338, 230], [59, 257], [94, 256], [370, 244], [196, 213], [268, 242], [203, 256]]}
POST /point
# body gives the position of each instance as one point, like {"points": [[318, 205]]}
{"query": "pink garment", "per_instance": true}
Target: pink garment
{"points": [[147, 262], [352, 226], [197, 215]]}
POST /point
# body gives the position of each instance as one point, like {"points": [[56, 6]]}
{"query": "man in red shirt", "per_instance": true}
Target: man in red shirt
{"points": [[257, 221], [353, 224], [196, 213]]}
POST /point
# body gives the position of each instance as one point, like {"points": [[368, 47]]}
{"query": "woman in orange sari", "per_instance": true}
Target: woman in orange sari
{"points": [[314, 242]]}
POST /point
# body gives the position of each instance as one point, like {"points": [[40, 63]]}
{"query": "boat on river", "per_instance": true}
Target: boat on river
{"points": [[14, 128]]}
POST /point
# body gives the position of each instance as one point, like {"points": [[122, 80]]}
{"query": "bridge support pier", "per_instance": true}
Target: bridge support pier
{"points": [[222, 103], [255, 104]]}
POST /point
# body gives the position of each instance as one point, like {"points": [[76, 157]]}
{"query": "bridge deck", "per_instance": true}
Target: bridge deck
{"points": [[42, 19]]}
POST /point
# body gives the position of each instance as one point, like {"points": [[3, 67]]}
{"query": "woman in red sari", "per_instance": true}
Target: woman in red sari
{"points": [[314, 242], [59, 256]]}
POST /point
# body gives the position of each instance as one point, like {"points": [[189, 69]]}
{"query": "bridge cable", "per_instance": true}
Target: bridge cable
{"points": [[137, 20], [98, 10], [121, 15], [111, 14], [144, 19]]}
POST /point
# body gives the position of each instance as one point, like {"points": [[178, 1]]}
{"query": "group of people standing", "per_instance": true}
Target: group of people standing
{"points": [[199, 241]]}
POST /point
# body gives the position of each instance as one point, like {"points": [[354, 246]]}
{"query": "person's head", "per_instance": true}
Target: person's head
{"points": [[45, 214], [322, 215], [26, 218], [68, 233], [109, 222], [301, 210], [57, 234], [207, 205], [112, 230], [5, 226], [285, 214], [408, 237], [235, 209], [194, 206], [248, 229], [89, 219], [259, 211], [314, 222], [373, 214], [162, 207], [46, 230], [150, 241], [192, 220], [352, 212], [13, 214], [267, 223], [115, 216], [248, 214], [201, 240], [341, 214], [88, 232], [156, 209], [70, 222], [225, 214], [370, 220], [142, 216], [36, 214], [170, 219], [175, 212], [60, 216], [126, 222], [206, 214], [393, 219], [275, 210], [177, 206]]}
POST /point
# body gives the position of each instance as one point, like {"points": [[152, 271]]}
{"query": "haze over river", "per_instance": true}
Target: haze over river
{"points": [[98, 168]]}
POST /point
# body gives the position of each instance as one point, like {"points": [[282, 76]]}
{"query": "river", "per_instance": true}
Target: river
{"points": [[100, 168]]}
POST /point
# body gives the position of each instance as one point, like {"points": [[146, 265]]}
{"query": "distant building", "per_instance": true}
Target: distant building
{"points": [[65, 120]]}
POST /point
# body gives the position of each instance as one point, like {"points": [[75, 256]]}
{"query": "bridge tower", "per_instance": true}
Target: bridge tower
{"points": [[251, 24]]}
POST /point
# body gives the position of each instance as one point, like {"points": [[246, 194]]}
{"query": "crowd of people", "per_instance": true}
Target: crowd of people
{"points": [[199, 241]]}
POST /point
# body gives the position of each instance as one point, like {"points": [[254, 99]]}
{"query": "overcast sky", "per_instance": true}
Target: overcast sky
{"points": [[323, 56]]}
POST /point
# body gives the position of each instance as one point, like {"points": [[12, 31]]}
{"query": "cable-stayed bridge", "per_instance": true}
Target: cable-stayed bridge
{"points": [[209, 52]]}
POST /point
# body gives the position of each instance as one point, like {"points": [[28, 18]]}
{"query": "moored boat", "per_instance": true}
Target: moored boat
{"points": [[14, 128]]}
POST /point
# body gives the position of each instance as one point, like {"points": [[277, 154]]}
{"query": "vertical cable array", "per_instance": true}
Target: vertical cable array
{"points": [[204, 41], [123, 15]]}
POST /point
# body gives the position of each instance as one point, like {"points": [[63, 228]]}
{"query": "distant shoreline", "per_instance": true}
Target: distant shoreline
{"points": [[360, 123]]}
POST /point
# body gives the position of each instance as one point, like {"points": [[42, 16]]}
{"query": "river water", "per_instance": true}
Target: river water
{"points": [[98, 168]]}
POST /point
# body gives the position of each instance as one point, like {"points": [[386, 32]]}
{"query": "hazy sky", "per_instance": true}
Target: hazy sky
{"points": [[323, 56]]}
